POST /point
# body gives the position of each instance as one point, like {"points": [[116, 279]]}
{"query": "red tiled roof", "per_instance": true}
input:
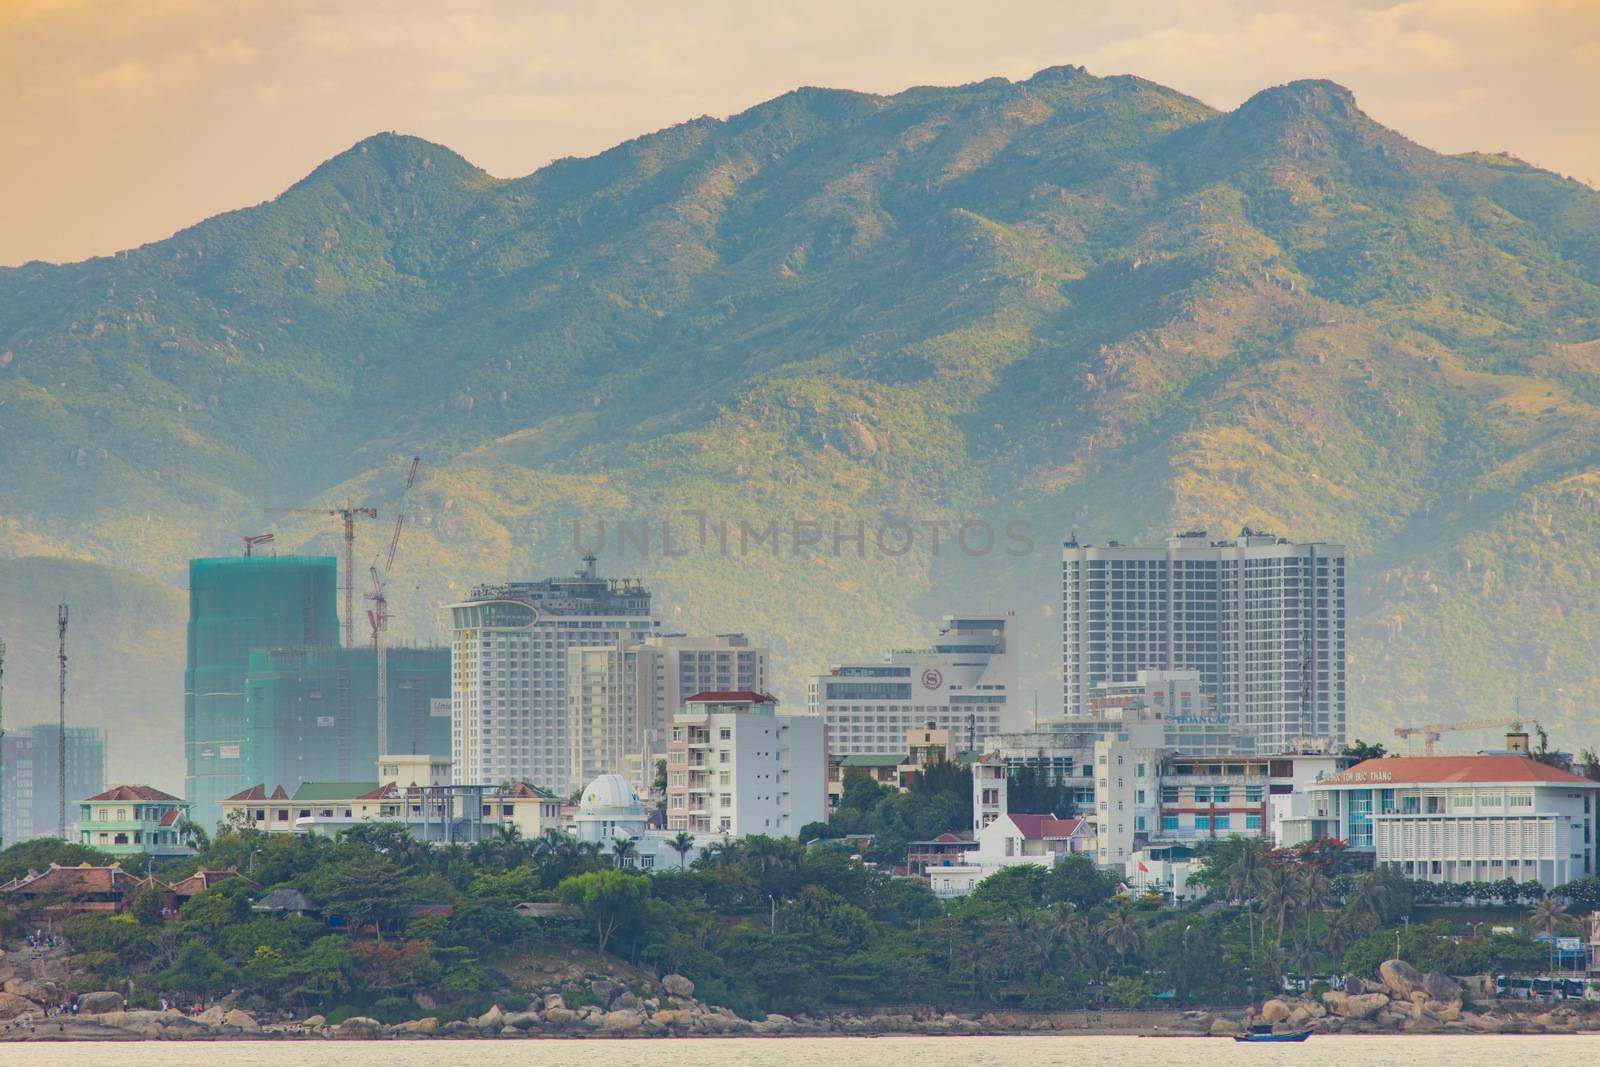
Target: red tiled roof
{"points": [[134, 792], [1044, 827], [171, 817], [201, 880], [732, 696], [259, 792], [69, 881], [1453, 770]]}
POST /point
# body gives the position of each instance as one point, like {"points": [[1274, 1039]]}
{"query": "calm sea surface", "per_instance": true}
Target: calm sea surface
{"points": [[1419, 1051]]}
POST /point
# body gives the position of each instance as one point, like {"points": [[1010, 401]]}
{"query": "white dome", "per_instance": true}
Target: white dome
{"points": [[610, 793]]}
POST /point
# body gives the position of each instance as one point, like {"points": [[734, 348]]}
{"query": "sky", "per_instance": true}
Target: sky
{"points": [[121, 122]]}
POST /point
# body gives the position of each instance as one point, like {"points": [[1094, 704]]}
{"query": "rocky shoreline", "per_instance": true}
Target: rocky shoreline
{"points": [[1405, 1002]]}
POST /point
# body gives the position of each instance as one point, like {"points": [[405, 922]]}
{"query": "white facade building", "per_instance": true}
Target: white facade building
{"points": [[1009, 840], [1127, 775], [1460, 818], [736, 767], [1262, 621], [508, 664], [621, 696], [966, 683]]}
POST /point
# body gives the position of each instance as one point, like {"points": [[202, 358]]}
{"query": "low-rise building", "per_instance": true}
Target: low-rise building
{"points": [[129, 820], [1010, 840], [412, 791], [882, 768], [1459, 818], [1165, 869], [62, 892], [735, 767], [946, 850]]}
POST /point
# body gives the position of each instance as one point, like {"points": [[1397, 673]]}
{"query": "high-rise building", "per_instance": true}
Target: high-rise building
{"points": [[30, 762], [735, 767], [508, 671], [965, 683], [238, 605], [1261, 619], [621, 696], [311, 714]]}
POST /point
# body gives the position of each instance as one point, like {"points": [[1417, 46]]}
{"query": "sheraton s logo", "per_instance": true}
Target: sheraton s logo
{"points": [[932, 679]]}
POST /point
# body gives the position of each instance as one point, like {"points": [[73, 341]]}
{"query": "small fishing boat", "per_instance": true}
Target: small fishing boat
{"points": [[1262, 1032]]}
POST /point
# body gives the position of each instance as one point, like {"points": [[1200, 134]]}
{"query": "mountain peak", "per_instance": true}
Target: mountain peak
{"points": [[398, 157], [1305, 98]]}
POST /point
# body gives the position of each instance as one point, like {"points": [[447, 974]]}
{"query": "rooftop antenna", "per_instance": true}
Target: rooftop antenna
{"points": [[61, 731]]}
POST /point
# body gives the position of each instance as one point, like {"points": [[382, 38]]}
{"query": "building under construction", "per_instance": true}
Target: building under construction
{"points": [[311, 714], [238, 605]]}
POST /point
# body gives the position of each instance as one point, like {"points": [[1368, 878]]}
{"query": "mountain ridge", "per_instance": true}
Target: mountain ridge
{"points": [[1069, 301]]}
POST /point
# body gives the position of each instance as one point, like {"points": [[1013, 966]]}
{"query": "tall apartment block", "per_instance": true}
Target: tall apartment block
{"points": [[311, 714], [30, 762], [508, 671], [1261, 619], [622, 696], [239, 605], [735, 767], [966, 682]]}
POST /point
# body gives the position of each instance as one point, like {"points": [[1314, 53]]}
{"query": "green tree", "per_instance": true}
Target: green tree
{"points": [[1122, 931], [1360, 750], [1547, 914], [682, 843], [606, 898]]}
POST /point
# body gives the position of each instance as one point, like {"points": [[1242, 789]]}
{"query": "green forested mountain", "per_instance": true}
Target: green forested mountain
{"points": [[1080, 303]]}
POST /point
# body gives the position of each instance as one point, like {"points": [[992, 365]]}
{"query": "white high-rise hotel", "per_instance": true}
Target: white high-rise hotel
{"points": [[508, 671], [966, 683], [1261, 619]]}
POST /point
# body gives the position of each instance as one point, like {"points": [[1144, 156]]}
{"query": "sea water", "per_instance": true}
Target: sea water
{"points": [[965, 1051]]}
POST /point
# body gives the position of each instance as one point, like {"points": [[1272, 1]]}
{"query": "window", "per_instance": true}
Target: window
{"points": [[1169, 822], [1221, 822], [1202, 822], [725, 734], [1252, 822]]}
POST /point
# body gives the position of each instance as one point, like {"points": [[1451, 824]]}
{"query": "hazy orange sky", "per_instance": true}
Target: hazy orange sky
{"points": [[125, 120]]}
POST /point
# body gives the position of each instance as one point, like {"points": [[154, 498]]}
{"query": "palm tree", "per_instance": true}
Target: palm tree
{"points": [[1122, 931], [1279, 894], [1313, 889], [621, 849], [1244, 882], [1338, 935], [1546, 915], [682, 844]]}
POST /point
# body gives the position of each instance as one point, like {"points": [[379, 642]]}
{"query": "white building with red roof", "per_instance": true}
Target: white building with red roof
{"points": [[1459, 818], [1009, 840]]}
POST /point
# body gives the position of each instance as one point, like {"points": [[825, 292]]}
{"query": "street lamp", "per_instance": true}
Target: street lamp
{"points": [[1475, 927]]}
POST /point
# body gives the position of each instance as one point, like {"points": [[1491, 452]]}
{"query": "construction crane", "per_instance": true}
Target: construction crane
{"points": [[378, 618], [255, 541], [61, 732], [1431, 732], [348, 515], [378, 615]]}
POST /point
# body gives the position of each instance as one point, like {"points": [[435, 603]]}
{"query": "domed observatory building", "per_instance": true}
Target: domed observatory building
{"points": [[611, 815]]}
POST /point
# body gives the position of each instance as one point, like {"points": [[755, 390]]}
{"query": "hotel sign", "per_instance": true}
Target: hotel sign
{"points": [[1355, 777]]}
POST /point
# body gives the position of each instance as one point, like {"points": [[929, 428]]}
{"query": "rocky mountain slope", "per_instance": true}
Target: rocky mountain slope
{"points": [[1067, 303]]}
